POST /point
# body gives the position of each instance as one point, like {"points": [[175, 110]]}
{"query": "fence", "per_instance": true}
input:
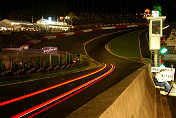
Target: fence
{"points": [[9, 61]]}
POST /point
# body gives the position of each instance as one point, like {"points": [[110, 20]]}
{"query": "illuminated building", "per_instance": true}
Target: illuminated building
{"points": [[15, 25], [53, 26], [41, 25]]}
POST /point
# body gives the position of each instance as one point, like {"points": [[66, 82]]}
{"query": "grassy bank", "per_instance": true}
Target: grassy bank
{"points": [[126, 45]]}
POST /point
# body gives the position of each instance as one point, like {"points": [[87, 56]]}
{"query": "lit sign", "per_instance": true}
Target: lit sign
{"points": [[167, 74], [50, 50], [157, 69], [155, 13]]}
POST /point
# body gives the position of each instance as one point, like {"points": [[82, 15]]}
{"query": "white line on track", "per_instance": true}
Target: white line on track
{"points": [[147, 38], [42, 78], [85, 43], [109, 50], [140, 45]]}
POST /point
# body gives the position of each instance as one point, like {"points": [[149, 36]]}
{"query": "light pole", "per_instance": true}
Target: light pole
{"points": [[61, 18], [67, 18]]}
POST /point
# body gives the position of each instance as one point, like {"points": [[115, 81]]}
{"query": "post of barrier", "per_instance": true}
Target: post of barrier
{"points": [[71, 58], [80, 58], [11, 63], [172, 82], [23, 62], [59, 59], [66, 58], [50, 59]]}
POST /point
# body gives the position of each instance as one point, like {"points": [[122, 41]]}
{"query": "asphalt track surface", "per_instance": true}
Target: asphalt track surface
{"points": [[73, 44], [144, 44]]}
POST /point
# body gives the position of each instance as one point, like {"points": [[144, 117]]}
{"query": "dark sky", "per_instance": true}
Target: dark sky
{"points": [[38, 8]]}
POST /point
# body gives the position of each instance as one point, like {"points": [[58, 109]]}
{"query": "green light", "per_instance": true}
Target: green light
{"points": [[163, 50]]}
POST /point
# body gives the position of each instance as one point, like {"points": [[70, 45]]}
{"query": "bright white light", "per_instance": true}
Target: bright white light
{"points": [[49, 21], [13, 23], [61, 17], [49, 18], [3, 28], [67, 17], [155, 13], [164, 50], [162, 66]]}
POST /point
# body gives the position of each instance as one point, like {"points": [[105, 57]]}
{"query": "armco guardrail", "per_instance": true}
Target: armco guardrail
{"points": [[125, 25], [133, 97]]}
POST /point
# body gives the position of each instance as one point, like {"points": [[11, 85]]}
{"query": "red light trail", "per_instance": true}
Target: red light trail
{"points": [[72, 92], [52, 87]]}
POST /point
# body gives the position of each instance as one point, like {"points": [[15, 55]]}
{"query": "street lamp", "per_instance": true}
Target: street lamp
{"points": [[67, 18], [61, 18]]}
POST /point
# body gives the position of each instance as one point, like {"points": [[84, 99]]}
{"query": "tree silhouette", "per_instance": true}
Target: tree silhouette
{"points": [[157, 7]]}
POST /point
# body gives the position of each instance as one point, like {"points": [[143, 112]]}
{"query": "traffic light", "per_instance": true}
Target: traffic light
{"points": [[163, 50], [163, 40], [161, 61]]}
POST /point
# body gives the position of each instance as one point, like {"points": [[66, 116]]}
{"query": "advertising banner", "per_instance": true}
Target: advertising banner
{"points": [[50, 50], [167, 73]]}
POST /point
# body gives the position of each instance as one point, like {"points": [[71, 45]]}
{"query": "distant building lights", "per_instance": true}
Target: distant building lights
{"points": [[67, 17], [49, 19], [3, 28], [61, 18], [147, 10], [12, 23]]}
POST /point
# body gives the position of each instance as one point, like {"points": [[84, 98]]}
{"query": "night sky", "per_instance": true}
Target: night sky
{"points": [[25, 9]]}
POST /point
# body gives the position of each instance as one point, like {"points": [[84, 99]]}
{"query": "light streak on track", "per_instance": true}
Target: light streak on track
{"points": [[72, 92], [49, 88]]}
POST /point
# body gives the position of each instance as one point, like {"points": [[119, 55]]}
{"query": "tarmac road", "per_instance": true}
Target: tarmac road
{"points": [[96, 50], [74, 44]]}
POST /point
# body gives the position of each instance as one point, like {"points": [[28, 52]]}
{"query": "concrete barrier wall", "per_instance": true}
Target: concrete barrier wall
{"points": [[133, 97]]}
